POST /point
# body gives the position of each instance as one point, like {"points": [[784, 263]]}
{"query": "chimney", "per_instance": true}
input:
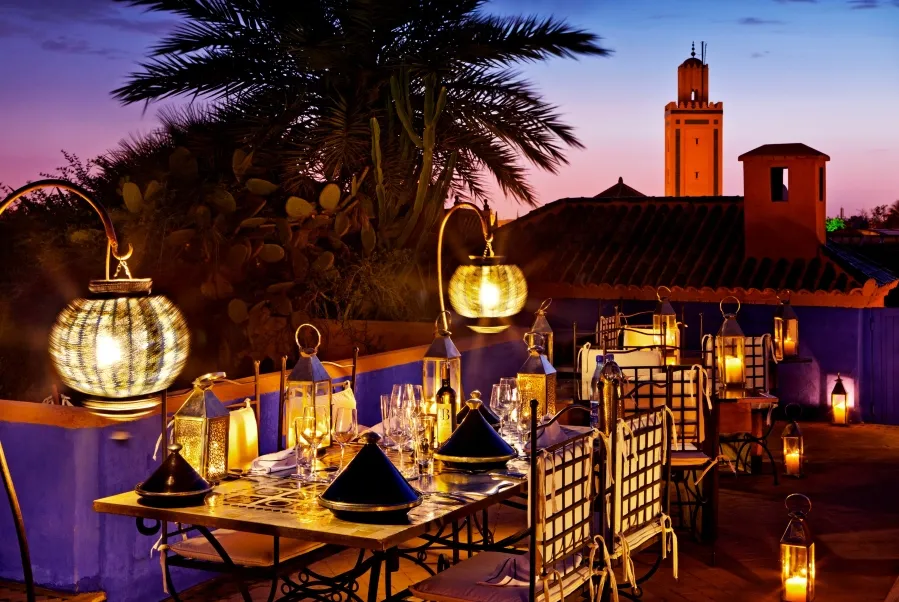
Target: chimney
{"points": [[784, 205]]}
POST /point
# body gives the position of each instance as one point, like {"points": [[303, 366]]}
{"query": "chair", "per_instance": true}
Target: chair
{"points": [[30, 590], [249, 555], [561, 534]]}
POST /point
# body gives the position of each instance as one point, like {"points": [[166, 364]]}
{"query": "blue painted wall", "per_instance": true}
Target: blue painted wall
{"points": [[58, 473]]}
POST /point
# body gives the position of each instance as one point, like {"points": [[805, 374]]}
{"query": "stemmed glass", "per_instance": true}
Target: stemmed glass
{"points": [[344, 429], [387, 412], [524, 421], [413, 394], [501, 403], [401, 429]]}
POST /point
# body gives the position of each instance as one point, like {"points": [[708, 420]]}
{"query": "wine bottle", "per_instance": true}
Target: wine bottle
{"points": [[446, 408]]}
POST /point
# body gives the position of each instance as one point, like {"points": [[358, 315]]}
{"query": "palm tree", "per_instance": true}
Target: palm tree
{"points": [[311, 75]]}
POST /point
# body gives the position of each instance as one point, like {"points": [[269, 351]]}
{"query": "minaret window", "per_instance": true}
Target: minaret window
{"points": [[779, 179], [693, 95]]}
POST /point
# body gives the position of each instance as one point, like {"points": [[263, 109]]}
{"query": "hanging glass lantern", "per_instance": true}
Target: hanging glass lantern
{"points": [[541, 326], [839, 403], [664, 325], [307, 385], [442, 352], [731, 350], [793, 449], [201, 429], [797, 555], [786, 331], [537, 377]]}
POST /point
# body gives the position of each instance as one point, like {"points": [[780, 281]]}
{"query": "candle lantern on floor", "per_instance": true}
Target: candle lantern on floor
{"points": [[537, 377], [664, 324], [308, 384], [786, 331], [541, 326], [442, 354], [793, 449], [201, 428], [797, 553], [839, 403], [730, 349]]}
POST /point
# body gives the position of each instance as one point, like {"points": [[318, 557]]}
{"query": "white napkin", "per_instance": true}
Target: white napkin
{"points": [[511, 572], [549, 435], [274, 462]]}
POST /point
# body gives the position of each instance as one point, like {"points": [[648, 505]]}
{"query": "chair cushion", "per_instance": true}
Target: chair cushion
{"points": [[688, 458], [245, 549], [459, 583]]}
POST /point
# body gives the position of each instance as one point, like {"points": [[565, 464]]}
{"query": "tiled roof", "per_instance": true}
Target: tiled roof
{"points": [[791, 149], [619, 190], [686, 244]]}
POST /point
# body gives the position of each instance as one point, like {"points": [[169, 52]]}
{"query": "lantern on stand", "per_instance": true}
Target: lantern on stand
{"points": [[201, 429], [730, 347], [786, 331], [537, 377], [441, 355], [308, 384], [839, 403], [664, 325], [541, 326], [797, 554], [793, 448]]}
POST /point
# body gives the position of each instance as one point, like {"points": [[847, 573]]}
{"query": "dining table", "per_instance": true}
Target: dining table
{"points": [[279, 505]]}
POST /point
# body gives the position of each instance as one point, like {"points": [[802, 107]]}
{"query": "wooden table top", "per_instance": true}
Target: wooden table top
{"points": [[278, 505]]}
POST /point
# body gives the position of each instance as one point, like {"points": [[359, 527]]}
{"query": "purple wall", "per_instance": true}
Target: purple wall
{"points": [[58, 473]]}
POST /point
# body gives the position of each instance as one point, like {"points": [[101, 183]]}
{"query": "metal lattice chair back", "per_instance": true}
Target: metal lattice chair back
{"points": [[680, 388]]}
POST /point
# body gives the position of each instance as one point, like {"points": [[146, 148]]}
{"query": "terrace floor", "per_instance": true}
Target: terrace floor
{"points": [[852, 481]]}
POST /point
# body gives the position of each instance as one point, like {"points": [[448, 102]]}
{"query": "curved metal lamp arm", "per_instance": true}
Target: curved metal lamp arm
{"points": [[485, 230], [80, 193]]}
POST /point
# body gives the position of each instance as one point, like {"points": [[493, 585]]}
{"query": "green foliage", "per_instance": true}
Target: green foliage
{"points": [[832, 224]]}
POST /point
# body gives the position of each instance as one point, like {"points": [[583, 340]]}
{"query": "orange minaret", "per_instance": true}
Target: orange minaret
{"points": [[693, 134]]}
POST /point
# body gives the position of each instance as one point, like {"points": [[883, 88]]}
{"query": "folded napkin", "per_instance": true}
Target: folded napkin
{"points": [[274, 462], [554, 433], [511, 572]]}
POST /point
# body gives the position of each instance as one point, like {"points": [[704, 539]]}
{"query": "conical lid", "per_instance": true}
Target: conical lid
{"points": [[308, 368], [730, 327], [838, 387], [541, 324], [370, 483], [785, 311], [475, 441], [442, 347], [537, 362], [485, 410], [175, 477], [202, 402]]}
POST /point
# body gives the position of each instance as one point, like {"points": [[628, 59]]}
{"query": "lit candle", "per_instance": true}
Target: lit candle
{"points": [[733, 370], [789, 346], [796, 589], [839, 413], [792, 462]]}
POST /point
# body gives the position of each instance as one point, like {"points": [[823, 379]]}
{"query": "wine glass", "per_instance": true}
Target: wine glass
{"points": [[401, 401], [401, 429], [303, 425], [386, 420], [344, 429], [501, 403], [415, 397], [524, 421], [319, 429]]}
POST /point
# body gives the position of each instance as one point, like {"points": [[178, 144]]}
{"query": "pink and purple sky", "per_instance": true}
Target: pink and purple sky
{"points": [[821, 72]]}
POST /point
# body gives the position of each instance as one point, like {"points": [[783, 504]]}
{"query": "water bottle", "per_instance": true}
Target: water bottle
{"points": [[596, 392]]}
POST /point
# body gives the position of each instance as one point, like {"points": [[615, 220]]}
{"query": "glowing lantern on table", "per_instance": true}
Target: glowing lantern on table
{"points": [[537, 377], [664, 325], [201, 428], [441, 355], [541, 326], [308, 385], [797, 555], [731, 350], [786, 331], [839, 403], [793, 450]]}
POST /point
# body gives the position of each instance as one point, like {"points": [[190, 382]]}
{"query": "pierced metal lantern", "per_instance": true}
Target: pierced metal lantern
{"points": [[797, 554], [541, 326], [442, 354], [839, 403], [537, 377], [308, 385], [488, 291], [664, 325], [793, 450], [731, 350], [786, 331], [201, 429]]}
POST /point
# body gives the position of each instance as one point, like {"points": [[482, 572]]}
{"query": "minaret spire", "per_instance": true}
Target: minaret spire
{"points": [[693, 49]]}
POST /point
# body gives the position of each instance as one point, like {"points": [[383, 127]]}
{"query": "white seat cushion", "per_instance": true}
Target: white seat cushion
{"points": [[459, 583], [245, 549], [688, 458]]}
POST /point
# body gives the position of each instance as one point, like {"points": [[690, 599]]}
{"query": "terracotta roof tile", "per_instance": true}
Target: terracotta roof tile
{"points": [[791, 149]]}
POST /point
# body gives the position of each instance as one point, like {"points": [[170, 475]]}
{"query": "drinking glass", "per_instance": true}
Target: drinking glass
{"points": [[386, 421], [512, 384], [524, 422], [401, 402], [423, 443], [314, 434], [501, 403], [401, 430], [304, 448], [415, 397], [344, 429]]}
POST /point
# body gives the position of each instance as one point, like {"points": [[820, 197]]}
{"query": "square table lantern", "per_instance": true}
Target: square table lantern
{"points": [[731, 350], [308, 384], [201, 427], [442, 354], [537, 377], [797, 555]]}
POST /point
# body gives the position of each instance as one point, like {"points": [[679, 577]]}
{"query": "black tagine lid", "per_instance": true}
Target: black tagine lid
{"points": [[475, 441], [174, 478], [370, 483], [488, 414]]}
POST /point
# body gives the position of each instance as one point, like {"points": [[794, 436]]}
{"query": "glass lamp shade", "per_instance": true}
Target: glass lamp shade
{"points": [[731, 353], [201, 428], [541, 326], [786, 332], [488, 291], [123, 343], [442, 352], [537, 377], [839, 403], [797, 560], [793, 450], [667, 334]]}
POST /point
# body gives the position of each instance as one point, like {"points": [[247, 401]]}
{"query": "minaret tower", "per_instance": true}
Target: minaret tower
{"points": [[693, 133]]}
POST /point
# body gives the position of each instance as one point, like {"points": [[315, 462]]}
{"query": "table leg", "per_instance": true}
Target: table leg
{"points": [[374, 577], [470, 536], [756, 451], [455, 542]]}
